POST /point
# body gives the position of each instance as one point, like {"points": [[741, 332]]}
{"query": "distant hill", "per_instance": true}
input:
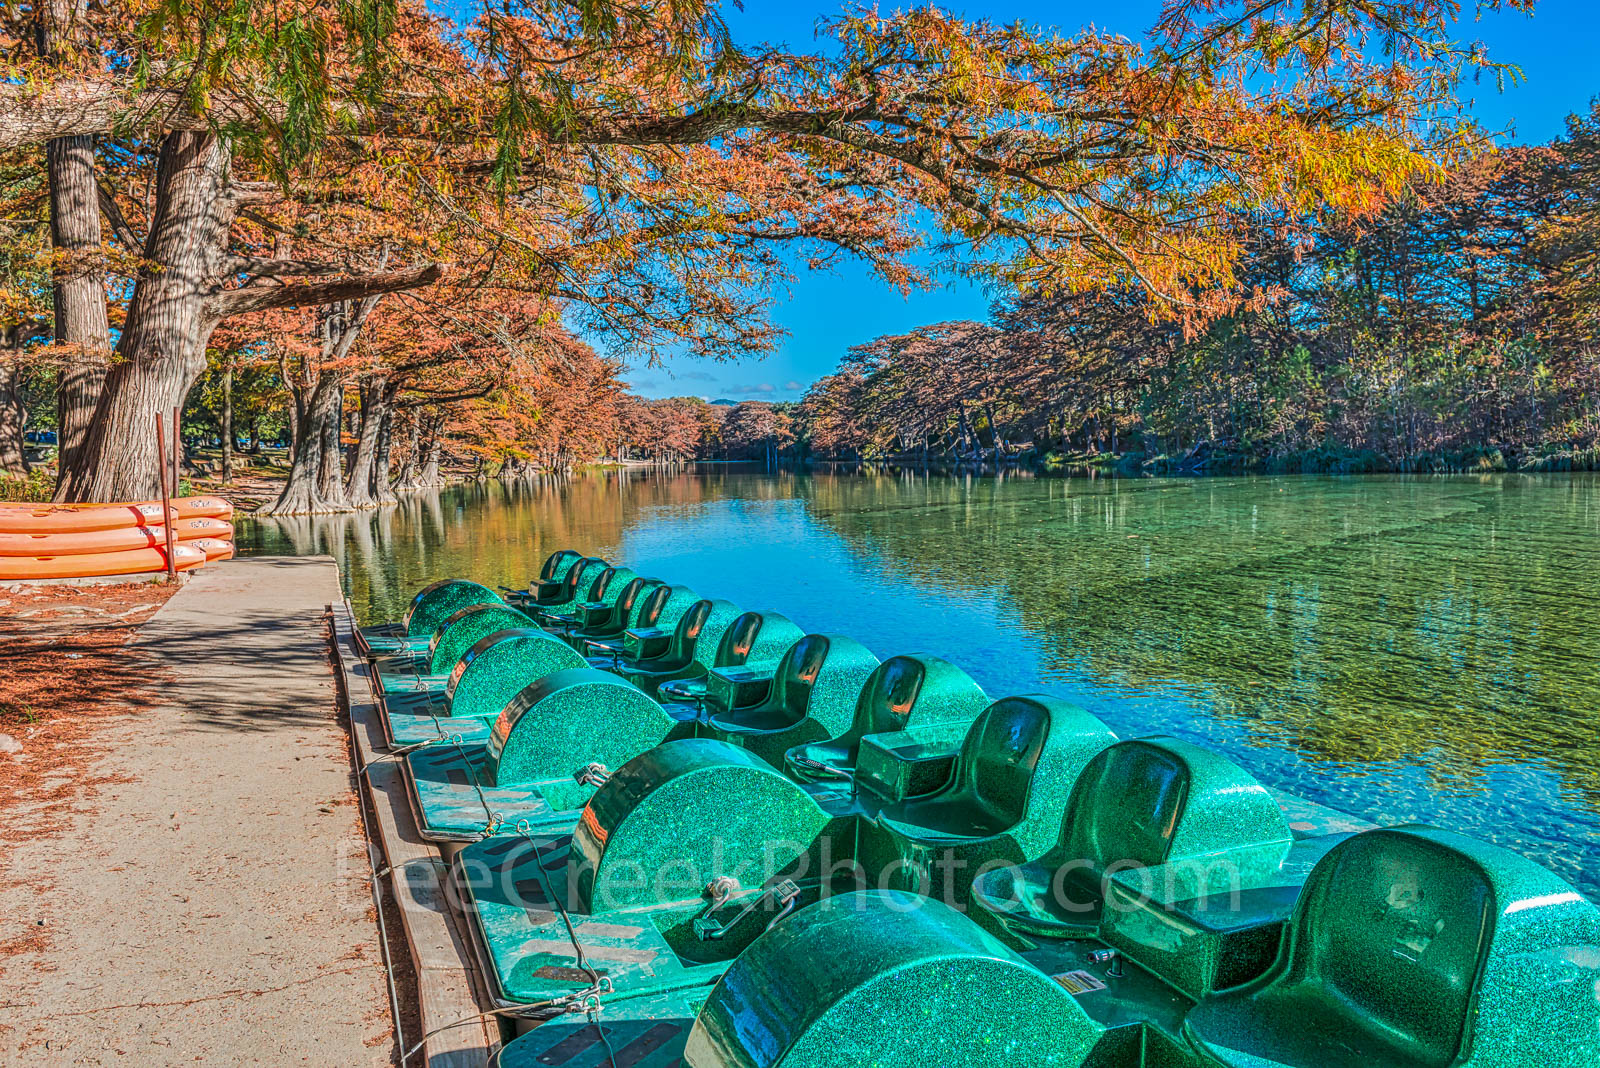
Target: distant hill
{"points": [[725, 402]]}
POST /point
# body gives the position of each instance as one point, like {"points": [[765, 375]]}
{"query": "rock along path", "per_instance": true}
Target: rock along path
{"points": [[213, 906]]}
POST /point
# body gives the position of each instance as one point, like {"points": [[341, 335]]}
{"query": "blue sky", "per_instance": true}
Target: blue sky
{"points": [[826, 313]]}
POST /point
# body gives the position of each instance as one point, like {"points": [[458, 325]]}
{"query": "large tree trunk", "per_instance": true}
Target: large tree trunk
{"points": [[382, 488], [361, 483], [79, 287], [81, 327], [162, 347], [13, 419], [314, 485], [428, 475]]}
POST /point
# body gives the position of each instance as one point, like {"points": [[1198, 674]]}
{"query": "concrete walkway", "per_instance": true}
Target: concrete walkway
{"points": [[213, 907]]}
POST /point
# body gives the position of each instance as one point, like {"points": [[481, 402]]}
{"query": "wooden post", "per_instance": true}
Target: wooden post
{"points": [[166, 498], [177, 451]]}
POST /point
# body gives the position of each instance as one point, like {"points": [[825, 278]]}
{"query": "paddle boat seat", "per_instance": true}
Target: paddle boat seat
{"points": [[650, 632], [429, 608], [603, 622], [1169, 853], [553, 570], [812, 697], [1413, 947], [482, 683], [902, 692], [697, 642], [756, 640], [1011, 779], [555, 565], [596, 602], [553, 596]]}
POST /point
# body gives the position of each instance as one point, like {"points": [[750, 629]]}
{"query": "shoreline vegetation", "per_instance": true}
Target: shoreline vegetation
{"points": [[256, 485]]}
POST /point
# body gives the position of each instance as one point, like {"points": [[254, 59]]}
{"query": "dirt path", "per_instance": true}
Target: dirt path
{"points": [[208, 901]]}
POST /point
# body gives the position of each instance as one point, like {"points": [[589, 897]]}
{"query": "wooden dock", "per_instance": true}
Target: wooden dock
{"points": [[450, 989]]}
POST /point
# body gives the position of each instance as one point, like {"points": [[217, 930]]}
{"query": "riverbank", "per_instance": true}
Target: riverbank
{"points": [[187, 879], [1222, 460]]}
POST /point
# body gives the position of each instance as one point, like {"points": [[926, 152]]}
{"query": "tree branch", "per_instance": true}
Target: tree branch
{"points": [[272, 267], [266, 294], [119, 222]]}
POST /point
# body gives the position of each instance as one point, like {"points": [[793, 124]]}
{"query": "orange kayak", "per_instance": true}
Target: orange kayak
{"points": [[214, 548], [113, 541], [202, 526], [192, 507], [126, 562], [78, 518]]}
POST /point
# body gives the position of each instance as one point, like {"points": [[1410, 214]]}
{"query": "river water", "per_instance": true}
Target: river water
{"points": [[1404, 649]]}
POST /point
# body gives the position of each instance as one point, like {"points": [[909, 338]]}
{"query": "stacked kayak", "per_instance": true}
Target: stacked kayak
{"points": [[52, 541], [690, 835]]}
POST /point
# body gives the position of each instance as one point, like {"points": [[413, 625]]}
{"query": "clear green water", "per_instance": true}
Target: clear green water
{"points": [[1399, 648]]}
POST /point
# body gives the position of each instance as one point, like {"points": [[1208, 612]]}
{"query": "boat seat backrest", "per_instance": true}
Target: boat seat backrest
{"points": [[555, 564], [631, 595], [1149, 801], [602, 583], [1397, 928], [1126, 806], [798, 673], [998, 756], [689, 628], [653, 606], [581, 572], [890, 693], [886, 701], [738, 640]]}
